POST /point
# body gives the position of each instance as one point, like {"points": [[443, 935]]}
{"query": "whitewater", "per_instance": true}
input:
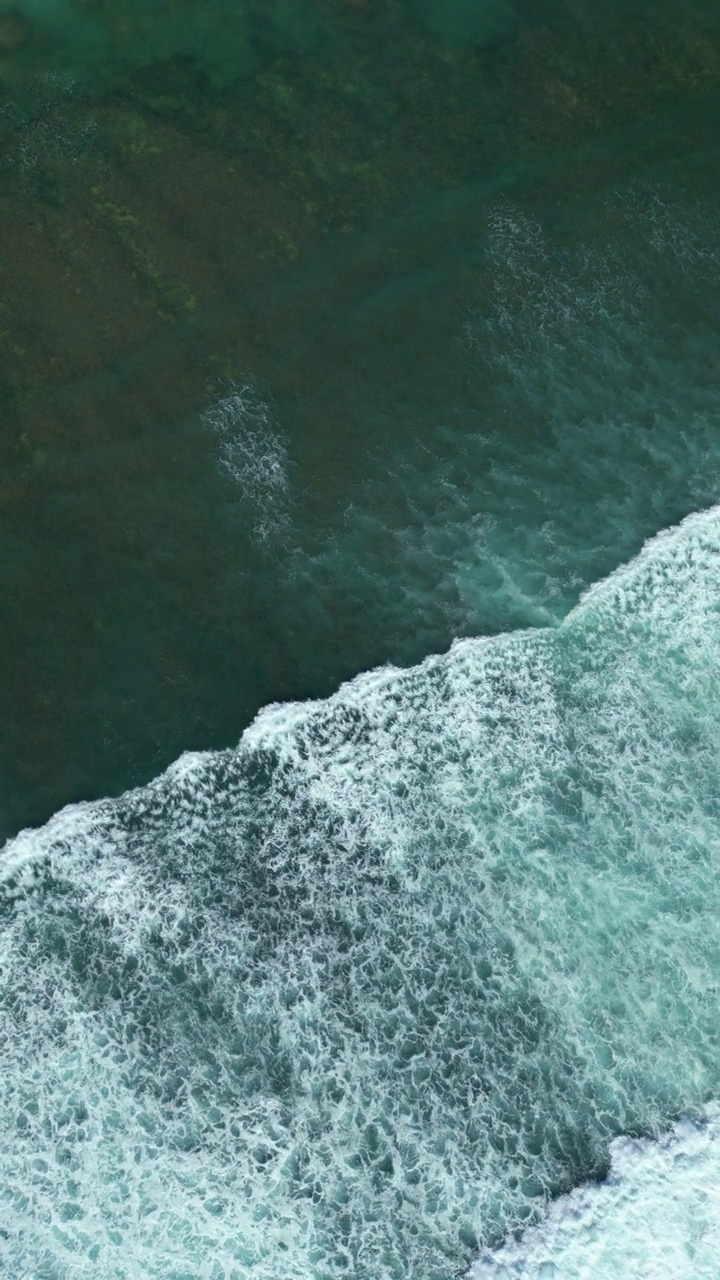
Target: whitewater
{"points": [[362, 995]]}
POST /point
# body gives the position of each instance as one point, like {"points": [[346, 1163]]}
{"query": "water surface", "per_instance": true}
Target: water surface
{"points": [[465, 266]]}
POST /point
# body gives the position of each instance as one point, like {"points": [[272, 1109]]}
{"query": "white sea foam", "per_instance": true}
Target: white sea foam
{"points": [[360, 996], [253, 453], [655, 1217]]}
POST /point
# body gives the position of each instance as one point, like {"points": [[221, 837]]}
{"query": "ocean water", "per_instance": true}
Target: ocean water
{"points": [[359, 454], [656, 1215], [588, 420], [227, 41], [397, 328], [360, 995]]}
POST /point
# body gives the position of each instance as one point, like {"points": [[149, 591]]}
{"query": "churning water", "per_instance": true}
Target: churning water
{"points": [[657, 1215], [358, 996]]}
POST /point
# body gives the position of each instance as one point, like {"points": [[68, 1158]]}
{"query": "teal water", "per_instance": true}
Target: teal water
{"points": [[655, 1215], [368, 339]]}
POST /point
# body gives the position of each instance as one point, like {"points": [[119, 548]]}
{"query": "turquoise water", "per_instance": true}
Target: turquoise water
{"points": [[656, 1214], [588, 420], [360, 370]]}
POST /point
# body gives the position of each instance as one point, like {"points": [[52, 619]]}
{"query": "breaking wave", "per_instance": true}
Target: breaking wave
{"points": [[656, 1215], [359, 996]]}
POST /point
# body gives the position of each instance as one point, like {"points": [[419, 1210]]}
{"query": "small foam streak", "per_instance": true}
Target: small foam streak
{"points": [[253, 454]]}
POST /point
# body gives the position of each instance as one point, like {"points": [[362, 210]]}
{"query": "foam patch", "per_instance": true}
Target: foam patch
{"points": [[656, 1215]]}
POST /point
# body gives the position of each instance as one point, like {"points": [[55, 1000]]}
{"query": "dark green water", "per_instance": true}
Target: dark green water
{"points": [[326, 202]]}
